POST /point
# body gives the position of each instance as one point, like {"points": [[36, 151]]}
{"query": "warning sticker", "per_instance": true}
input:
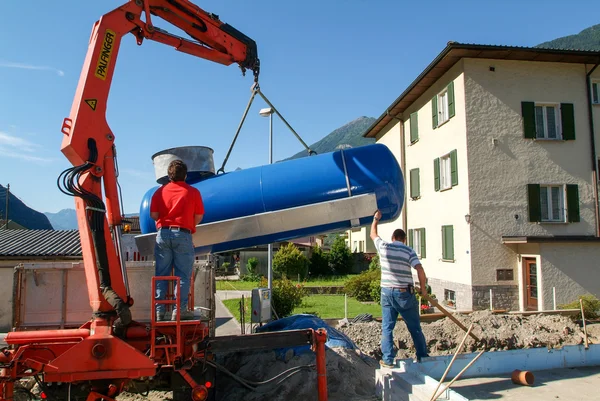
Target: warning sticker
{"points": [[92, 103], [105, 54]]}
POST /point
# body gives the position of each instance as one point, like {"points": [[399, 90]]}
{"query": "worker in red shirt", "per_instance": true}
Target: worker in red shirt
{"points": [[177, 208]]}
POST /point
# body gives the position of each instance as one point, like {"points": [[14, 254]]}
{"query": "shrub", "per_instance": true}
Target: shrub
{"points": [[591, 307], [376, 290], [319, 262], [226, 265], [285, 296], [251, 265], [289, 261], [340, 257], [362, 286], [374, 264]]}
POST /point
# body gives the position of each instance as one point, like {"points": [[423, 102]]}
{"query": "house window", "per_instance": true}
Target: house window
{"points": [[442, 100], [547, 121], [448, 243], [596, 92], [449, 297], [416, 240], [442, 106], [553, 203], [445, 171]]}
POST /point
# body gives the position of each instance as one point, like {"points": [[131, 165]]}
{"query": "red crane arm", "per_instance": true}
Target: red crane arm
{"points": [[88, 142]]}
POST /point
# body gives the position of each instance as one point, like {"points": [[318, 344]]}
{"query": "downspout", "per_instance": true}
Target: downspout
{"points": [[593, 145], [403, 167]]}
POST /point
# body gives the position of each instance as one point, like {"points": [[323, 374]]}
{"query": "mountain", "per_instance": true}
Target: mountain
{"points": [[347, 136], [22, 214], [66, 219], [588, 39]]}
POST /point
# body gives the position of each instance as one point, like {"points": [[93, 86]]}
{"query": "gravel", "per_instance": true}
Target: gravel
{"points": [[496, 332]]}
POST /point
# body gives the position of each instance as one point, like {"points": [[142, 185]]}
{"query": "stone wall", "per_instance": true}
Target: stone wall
{"points": [[463, 293], [504, 297]]}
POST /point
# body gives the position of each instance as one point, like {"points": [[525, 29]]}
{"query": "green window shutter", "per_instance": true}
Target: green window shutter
{"points": [[423, 246], [448, 242], [414, 127], [535, 207], [567, 115], [451, 100], [414, 183], [436, 173], [410, 238], [434, 111], [454, 167], [572, 203], [528, 112]]}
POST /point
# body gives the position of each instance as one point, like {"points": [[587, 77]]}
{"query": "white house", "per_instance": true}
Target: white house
{"points": [[499, 152]]}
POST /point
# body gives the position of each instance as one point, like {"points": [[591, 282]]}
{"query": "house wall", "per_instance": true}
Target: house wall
{"points": [[571, 268], [6, 299], [499, 173], [596, 110], [447, 207]]}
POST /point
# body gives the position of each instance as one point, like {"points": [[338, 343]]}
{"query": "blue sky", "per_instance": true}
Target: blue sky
{"points": [[323, 64]]}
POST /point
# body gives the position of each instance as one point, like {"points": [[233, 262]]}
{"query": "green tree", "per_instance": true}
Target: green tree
{"points": [[319, 262], [290, 261], [340, 257], [251, 265]]}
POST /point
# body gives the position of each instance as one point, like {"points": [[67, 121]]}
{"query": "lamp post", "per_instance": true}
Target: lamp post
{"points": [[268, 112]]}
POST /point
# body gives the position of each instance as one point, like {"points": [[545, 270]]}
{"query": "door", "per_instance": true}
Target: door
{"points": [[531, 283]]}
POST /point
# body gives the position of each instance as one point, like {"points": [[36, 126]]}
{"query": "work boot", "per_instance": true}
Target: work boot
{"points": [[183, 315], [385, 365]]}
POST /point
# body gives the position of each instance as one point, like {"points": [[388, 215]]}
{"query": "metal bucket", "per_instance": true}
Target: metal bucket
{"points": [[199, 161]]}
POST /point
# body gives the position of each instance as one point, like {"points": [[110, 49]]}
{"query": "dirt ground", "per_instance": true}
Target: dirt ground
{"points": [[351, 374], [497, 332]]}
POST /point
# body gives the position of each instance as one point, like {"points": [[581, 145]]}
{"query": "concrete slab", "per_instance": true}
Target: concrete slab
{"points": [[556, 384]]}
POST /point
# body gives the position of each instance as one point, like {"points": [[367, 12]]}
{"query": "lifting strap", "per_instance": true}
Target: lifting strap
{"points": [[256, 90]]}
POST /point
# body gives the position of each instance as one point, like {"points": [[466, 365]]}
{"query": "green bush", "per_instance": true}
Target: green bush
{"points": [[591, 307], [251, 265], [289, 261], [376, 290], [340, 257], [362, 286], [319, 263], [285, 296], [226, 265], [374, 264]]}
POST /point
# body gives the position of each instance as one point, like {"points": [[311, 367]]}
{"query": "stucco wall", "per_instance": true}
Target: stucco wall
{"points": [[500, 172], [447, 207], [574, 269], [390, 136]]}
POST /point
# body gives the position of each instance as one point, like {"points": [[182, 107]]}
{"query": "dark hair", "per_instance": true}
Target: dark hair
{"points": [[177, 170], [399, 235]]}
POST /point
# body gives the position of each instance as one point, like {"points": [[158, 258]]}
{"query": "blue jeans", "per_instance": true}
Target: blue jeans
{"points": [[394, 302], [173, 249]]}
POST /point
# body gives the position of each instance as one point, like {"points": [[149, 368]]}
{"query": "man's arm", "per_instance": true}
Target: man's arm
{"points": [[154, 215], [376, 219], [422, 278], [198, 208], [198, 219]]}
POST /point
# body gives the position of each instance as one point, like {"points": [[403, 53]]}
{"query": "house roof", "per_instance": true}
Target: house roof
{"points": [[39, 243], [455, 51], [134, 222], [11, 224]]}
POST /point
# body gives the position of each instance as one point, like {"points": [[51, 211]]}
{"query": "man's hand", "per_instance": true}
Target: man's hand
{"points": [[377, 215]]}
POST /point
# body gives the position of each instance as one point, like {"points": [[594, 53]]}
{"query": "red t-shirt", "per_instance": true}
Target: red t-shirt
{"points": [[176, 204]]}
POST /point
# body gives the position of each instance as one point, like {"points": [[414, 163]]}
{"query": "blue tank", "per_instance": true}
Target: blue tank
{"points": [[348, 173]]}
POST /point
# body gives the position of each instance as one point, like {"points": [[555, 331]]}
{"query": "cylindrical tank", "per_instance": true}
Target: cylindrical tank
{"points": [[370, 169], [198, 159]]}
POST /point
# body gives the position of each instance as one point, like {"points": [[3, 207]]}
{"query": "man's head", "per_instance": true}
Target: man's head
{"points": [[177, 171], [399, 235]]}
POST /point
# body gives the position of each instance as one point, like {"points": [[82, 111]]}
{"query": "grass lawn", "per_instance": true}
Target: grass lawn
{"points": [[249, 285], [325, 306], [234, 307]]}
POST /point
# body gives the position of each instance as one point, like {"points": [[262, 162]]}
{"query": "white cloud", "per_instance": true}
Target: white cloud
{"points": [[19, 148], [23, 66]]}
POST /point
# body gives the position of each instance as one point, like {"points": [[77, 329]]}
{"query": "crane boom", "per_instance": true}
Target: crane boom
{"points": [[89, 143]]}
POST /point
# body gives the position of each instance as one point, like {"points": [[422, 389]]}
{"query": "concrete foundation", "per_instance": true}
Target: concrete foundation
{"points": [[489, 377]]}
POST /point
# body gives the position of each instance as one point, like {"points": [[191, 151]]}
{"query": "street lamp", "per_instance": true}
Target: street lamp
{"points": [[268, 112]]}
